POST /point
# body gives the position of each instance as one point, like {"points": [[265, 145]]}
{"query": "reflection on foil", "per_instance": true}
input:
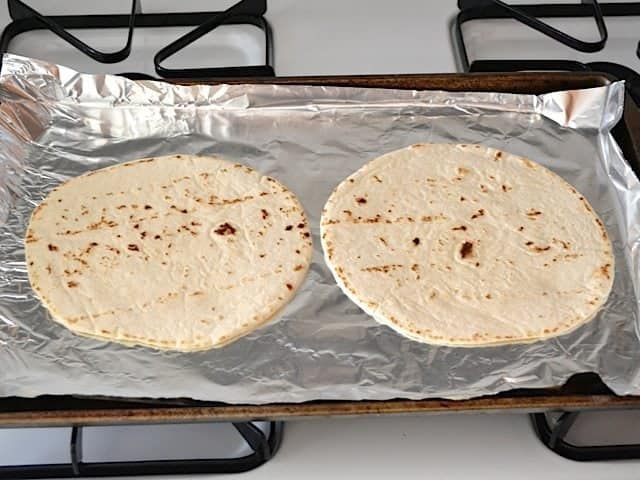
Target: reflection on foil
{"points": [[56, 123]]}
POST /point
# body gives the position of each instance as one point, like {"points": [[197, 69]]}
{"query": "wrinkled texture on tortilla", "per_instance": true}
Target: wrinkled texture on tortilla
{"points": [[180, 252], [465, 245]]}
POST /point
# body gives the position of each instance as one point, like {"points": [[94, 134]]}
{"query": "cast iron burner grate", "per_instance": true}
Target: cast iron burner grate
{"points": [[263, 447], [529, 15], [246, 12]]}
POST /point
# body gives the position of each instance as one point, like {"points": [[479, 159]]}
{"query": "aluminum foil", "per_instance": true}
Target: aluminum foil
{"points": [[56, 123]]}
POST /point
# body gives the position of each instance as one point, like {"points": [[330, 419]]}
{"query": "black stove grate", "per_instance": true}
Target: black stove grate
{"points": [[528, 14], [246, 12], [263, 447], [554, 434]]}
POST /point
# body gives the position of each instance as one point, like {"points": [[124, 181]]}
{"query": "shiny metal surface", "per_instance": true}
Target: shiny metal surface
{"points": [[56, 124]]}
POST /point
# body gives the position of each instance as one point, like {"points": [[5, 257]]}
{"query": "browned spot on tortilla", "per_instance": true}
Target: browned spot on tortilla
{"points": [[462, 199], [484, 188], [416, 241], [533, 212], [98, 225], [347, 212], [297, 268], [488, 296], [479, 213], [415, 268], [540, 249], [520, 228], [498, 155], [375, 219], [505, 188], [466, 249], [298, 252], [49, 270], [351, 180], [604, 270], [225, 229], [181, 210], [52, 248], [288, 227], [529, 163], [148, 207], [384, 242], [586, 205], [377, 179], [133, 247], [265, 214], [289, 286], [361, 200], [72, 284], [114, 250], [461, 227], [143, 235], [306, 234], [564, 244], [382, 268]]}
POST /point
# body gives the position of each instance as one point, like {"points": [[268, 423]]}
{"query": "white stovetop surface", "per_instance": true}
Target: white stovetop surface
{"points": [[351, 37]]}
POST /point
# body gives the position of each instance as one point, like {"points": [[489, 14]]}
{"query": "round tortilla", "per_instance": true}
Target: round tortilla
{"points": [[182, 252], [464, 245]]}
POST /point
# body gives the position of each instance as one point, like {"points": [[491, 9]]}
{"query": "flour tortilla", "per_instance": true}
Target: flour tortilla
{"points": [[465, 245], [181, 252]]}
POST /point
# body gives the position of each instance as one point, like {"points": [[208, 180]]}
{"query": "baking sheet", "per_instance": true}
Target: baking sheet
{"points": [[56, 123]]}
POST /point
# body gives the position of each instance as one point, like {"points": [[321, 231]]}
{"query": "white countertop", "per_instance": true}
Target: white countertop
{"points": [[357, 37]]}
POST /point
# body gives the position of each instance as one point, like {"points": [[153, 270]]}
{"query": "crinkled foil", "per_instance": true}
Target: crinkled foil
{"points": [[56, 123]]}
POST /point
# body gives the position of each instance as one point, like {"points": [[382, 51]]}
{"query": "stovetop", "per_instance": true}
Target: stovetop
{"points": [[335, 37]]}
